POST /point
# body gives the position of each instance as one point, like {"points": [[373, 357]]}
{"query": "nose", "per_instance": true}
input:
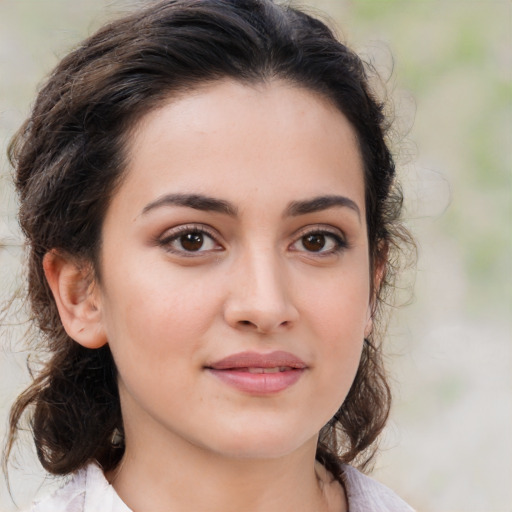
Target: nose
{"points": [[260, 295]]}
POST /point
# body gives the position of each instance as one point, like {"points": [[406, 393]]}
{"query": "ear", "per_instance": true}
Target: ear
{"points": [[379, 273], [77, 299]]}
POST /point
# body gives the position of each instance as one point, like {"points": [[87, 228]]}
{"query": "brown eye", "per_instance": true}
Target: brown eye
{"points": [[321, 243], [189, 241], [313, 242], [192, 241]]}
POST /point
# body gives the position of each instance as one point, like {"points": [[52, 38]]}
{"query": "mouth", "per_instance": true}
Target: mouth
{"points": [[258, 374], [266, 370]]}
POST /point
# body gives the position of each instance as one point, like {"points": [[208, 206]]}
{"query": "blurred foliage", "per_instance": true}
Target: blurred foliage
{"points": [[459, 54]]}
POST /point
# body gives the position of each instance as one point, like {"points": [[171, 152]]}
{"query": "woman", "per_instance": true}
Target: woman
{"points": [[212, 219]]}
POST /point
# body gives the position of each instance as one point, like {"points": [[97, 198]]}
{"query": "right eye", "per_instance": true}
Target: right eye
{"points": [[189, 241]]}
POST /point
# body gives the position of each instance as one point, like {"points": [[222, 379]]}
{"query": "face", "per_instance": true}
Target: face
{"points": [[235, 276]]}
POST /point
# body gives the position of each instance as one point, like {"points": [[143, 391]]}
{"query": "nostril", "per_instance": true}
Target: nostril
{"points": [[247, 324]]}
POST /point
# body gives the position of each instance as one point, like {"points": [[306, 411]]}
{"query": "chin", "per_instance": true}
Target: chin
{"points": [[263, 444]]}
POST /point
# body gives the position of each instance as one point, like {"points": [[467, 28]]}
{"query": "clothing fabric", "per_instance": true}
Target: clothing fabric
{"points": [[364, 494], [89, 491]]}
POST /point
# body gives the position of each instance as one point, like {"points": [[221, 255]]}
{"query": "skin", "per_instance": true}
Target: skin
{"points": [[256, 283]]}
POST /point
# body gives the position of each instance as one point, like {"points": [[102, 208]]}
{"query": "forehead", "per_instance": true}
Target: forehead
{"points": [[228, 138]]}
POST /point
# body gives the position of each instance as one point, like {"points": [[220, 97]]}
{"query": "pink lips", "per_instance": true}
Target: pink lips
{"points": [[257, 373]]}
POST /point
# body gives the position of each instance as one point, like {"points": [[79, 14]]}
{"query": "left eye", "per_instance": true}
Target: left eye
{"points": [[319, 242]]}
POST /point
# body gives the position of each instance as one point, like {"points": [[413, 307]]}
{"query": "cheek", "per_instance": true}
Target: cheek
{"points": [[339, 304], [151, 316], [338, 315]]}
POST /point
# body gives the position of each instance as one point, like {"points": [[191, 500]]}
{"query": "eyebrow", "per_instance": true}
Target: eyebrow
{"points": [[212, 204], [195, 201], [317, 204]]}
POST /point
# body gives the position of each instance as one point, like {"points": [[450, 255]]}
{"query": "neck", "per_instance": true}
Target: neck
{"points": [[185, 477]]}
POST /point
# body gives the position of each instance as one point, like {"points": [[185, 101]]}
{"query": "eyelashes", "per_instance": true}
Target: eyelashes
{"points": [[190, 240], [321, 242], [195, 240]]}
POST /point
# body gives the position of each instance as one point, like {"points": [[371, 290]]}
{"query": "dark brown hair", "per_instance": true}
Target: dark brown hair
{"points": [[69, 158]]}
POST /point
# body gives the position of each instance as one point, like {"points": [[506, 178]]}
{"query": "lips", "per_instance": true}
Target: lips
{"points": [[268, 370], [256, 373]]}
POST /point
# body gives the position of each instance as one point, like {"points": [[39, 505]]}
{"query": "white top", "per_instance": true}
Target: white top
{"points": [[89, 491]]}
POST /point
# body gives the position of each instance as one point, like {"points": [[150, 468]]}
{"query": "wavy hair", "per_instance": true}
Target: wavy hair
{"points": [[70, 156]]}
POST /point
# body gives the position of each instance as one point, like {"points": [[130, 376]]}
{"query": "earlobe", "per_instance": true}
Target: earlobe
{"points": [[76, 299], [378, 278], [369, 323]]}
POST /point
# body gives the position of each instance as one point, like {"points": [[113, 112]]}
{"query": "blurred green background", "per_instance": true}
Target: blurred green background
{"points": [[447, 65]]}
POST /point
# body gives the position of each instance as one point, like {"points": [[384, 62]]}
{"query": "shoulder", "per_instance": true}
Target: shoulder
{"points": [[68, 498], [364, 494], [87, 491]]}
